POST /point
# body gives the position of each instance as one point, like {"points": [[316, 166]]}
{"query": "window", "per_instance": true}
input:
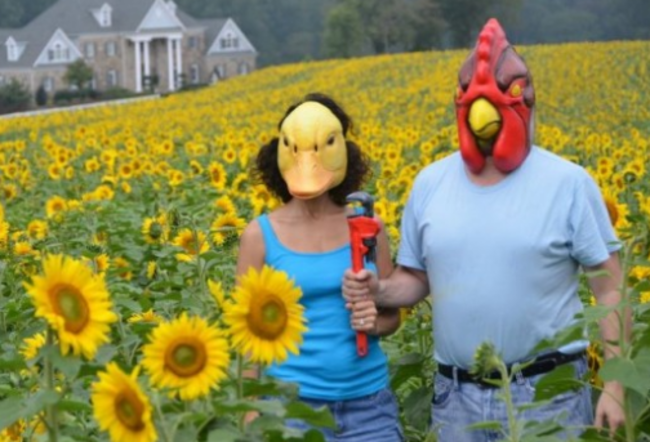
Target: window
{"points": [[221, 71], [105, 18], [195, 75], [192, 42], [89, 49], [229, 41], [48, 84], [243, 68], [111, 49], [111, 78], [58, 52], [12, 52]]}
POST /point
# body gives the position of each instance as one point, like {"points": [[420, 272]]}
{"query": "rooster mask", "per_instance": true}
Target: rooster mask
{"points": [[494, 103], [312, 154]]}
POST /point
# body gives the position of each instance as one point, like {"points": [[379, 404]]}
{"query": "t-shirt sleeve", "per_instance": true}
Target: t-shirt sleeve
{"points": [[410, 249], [592, 235]]}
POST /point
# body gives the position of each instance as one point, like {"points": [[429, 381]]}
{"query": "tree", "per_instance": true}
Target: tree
{"points": [[41, 96], [465, 19], [343, 35], [78, 74], [428, 25], [14, 97]]}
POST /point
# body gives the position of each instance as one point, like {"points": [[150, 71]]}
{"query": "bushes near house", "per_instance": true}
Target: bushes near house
{"points": [[14, 97]]}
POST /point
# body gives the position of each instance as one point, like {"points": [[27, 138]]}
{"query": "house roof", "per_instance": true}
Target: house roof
{"points": [[75, 18]]}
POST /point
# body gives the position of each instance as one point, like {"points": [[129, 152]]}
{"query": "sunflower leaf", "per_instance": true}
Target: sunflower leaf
{"points": [[318, 418]]}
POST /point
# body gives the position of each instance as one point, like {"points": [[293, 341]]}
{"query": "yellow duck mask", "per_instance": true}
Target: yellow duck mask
{"points": [[312, 154]]}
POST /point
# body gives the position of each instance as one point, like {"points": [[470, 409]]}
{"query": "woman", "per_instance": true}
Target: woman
{"points": [[312, 168]]}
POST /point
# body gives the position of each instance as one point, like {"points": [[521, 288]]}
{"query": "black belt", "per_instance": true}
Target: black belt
{"points": [[542, 364]]}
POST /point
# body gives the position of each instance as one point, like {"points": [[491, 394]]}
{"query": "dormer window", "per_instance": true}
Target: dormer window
{"points": [[58, 53], [104, 16], [229, 41], [13, 51]]}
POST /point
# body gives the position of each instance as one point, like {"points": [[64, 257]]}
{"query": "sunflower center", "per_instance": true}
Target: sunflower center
{"points": [[186, 357], [155, 231], [129, 410], [268, 319], [70, 303]]}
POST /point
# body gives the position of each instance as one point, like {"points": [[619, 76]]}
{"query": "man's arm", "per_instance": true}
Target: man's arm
{"points": [[614, 328]]}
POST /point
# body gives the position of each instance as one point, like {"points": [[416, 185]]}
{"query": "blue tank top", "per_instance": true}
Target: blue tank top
{"points": [[328, 366]]}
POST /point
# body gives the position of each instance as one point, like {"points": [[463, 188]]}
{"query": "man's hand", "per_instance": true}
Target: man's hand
{"points": [[609, 409]]}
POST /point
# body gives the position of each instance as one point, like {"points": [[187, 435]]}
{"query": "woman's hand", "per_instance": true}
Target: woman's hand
{"points": [[364, 315]]}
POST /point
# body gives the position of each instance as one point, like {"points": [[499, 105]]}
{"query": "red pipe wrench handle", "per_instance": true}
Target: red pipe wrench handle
{"points": [[362, 344]]}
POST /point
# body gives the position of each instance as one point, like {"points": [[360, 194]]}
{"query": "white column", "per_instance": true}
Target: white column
{"points": [[170, 63], [147, 61], [179, 65], [138, 68]]}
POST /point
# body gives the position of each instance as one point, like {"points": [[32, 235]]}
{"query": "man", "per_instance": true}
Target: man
{"points": [[498, 233]]}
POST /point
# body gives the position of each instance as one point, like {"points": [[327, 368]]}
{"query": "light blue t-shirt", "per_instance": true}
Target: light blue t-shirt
{"points": [[328, 366], [503, 260]]}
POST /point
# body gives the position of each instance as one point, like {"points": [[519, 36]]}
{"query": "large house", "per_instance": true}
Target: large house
{"points": [[131, 44]]}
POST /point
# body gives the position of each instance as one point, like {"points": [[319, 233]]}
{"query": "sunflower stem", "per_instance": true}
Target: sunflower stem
{"points": [[50, 410], [163, 422], [240, 388]]}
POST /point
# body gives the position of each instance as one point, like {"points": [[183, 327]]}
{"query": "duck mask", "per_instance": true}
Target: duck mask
{"points": [[312, 154], [494, 103]]}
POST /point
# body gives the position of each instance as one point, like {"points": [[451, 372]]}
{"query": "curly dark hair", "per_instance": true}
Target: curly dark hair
{"points": [[266, 168]]}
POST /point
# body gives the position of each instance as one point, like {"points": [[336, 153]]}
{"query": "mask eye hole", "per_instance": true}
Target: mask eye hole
{"points": [[295, 149], [330, 140], [285, 141], [315, 147]]}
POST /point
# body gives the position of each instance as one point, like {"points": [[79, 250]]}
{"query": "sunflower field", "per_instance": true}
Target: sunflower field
{"points": [[119, 316]]}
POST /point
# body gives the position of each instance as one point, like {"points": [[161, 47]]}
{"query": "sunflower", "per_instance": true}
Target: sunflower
{"points": [[121, 407], [55, 206], [155, 230], [226, 224], [186, 355], [75, 302], [148, 316], [217, 292], [37, 229], [225, 204], [265, 318], [31, 346], [217, 174], [192, 244]]}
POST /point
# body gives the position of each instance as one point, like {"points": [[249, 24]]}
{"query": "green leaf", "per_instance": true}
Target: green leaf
{"points": [[74, 406], [487, 425], [417, 406], [223, 435], [12, 362], [561, 380], [10, 411], [628, 372], [318, 418], [411, 365], [105, 354]]}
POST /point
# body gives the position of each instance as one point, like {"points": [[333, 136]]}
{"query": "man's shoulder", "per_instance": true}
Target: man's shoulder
{"points": [[438, 168], [553, 164]]}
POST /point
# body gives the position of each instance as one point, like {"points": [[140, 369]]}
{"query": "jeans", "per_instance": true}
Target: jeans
{"points": [[457, 405], [372, 418]]}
